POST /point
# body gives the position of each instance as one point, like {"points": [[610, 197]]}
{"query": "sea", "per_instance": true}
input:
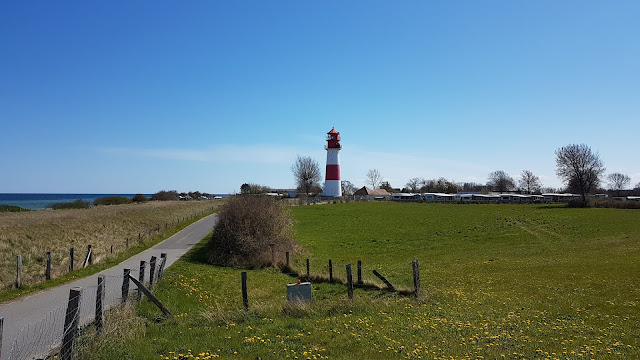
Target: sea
{"points": [[43, 201]]}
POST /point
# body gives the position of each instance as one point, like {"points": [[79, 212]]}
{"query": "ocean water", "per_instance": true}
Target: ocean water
{"points": [[43, 201]]}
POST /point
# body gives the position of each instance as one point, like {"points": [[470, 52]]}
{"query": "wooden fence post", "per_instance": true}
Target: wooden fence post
{"points": [[163, 262], [359, 272], [127, 243], [88, 260], [152, 271], [349, 282], [112, 249], [384, 280], [47, 272], [330, 271], [71, 260], [273, 255], [1, 327], [150, 296], [19, 271], [416, 277], [308, 272], [286, 255], [99, 300], [125, 285], [70, 323], [245, 296], [143, 265]]}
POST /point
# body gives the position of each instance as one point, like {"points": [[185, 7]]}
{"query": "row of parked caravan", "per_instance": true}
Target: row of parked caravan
{"points": [[483, 197]]}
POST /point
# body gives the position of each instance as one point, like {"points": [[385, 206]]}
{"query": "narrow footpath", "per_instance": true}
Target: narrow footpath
{"points": [[25, 312]]}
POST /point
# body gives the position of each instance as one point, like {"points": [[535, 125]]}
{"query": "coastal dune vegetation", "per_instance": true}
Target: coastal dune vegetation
{"points": [[32, 234], [498, 281]]}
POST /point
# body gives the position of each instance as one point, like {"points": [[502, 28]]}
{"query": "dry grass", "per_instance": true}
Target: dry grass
{"points": [[31, 234]]}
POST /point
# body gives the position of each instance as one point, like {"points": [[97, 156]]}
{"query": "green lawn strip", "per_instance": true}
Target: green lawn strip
{"points": [[499, 281], [109, 261]]}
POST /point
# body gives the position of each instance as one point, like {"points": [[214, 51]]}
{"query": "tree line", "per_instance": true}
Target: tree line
{"points": [[579, 168]]}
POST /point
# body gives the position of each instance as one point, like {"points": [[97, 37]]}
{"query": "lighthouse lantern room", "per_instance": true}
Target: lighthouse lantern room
{"points": [[332, 183]]}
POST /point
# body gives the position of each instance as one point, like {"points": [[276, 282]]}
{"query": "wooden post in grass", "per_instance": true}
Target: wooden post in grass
{"points": [[143, 265], [88, 259], [152, 271], [330, 270], [112, 249], [127, 243], [163, 262], [70, 323], [19, 271], [384, 280], [150, 296], [125, 285], [286, 255], [99, 300], [273, 254], [47, 272], [349, 282], [245, 296], [1, 326], [71, 260], [359, 272], [308, 272], [416, 277]]}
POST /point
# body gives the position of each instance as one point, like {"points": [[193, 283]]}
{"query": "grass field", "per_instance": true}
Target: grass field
{"points": [[33, 233], [499, 281]]}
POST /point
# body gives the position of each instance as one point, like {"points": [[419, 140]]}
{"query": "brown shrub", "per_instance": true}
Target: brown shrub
{"points": [[617, 204], [248, 228]]}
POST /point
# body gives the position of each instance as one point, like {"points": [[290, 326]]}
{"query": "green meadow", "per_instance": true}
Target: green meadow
{"points": [[498, 281]]}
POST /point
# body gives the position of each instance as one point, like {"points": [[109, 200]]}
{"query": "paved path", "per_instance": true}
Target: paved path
{"points": [[25, 318]]}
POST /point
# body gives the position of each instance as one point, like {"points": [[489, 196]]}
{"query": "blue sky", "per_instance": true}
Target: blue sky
{"points": [[122, 97]]}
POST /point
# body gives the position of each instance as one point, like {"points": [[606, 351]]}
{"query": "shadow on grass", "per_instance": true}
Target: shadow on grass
{"points": [[198, 253]]}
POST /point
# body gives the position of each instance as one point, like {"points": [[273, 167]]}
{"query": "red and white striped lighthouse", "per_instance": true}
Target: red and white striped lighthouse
{"points": [[332, 184]]}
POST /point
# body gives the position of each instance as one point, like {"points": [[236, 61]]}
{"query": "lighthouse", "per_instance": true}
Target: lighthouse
{"points": [[332, 184]]}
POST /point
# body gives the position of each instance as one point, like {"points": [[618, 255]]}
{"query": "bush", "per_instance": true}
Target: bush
{"points": [[139, 198], [112, 200], [617, 204], [246, 228], [78, 204], [12, 208], [165, 195], [577, 203]]}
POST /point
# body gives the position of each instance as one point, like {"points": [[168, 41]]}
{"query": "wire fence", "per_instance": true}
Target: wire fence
{"points": [[54, 335]]}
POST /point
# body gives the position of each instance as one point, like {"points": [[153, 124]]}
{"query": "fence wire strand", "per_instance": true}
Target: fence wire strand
{"points": [[43, 339]]}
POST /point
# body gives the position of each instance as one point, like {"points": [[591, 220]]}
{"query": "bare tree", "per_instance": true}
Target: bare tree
{"points": [[347, 187], [618, 182], [500, 181], [529, 183], [579, 168], [306, 172], [374, 178], [414, 184]]}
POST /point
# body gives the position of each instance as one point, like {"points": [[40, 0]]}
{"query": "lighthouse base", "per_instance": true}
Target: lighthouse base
{"points": [[332, 188]]}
